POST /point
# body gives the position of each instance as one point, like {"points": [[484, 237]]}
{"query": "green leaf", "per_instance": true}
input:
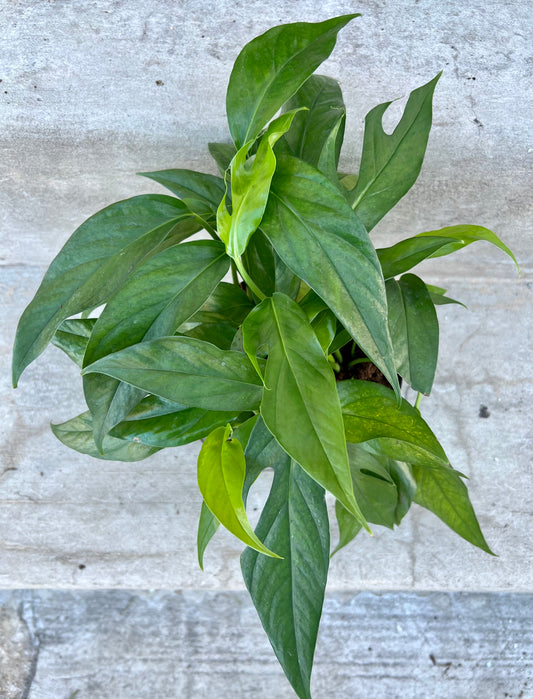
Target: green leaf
{"points": [[227, 303], [371, 412], [267, 269], [153, 302], [72, 337], [77, 434], [289, 594], [196, 189], [316, 134], [300, 405], [438, 297], [221, 469], [187, 371], [271, 68], [406, 254], [222, 153], [390, 163], [325, 325], [319, 237], [414, 330], [218, 334], [349, 526], [94, 262], [442, 492], [250, 186]]}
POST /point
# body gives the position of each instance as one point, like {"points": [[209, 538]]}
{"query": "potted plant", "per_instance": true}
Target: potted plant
{"points": [[297, 363]]}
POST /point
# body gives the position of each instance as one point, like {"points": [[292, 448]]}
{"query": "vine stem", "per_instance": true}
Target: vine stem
{"points": [[249, 281], [418, 401]]}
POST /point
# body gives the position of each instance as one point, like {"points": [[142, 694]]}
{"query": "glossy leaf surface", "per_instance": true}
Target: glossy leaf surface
{"points": [[414, 331], [187, 371], [390, 163], [319, 237], [443, 492], [222, 154], [221, 470], [227, 303], [271, 68], [267, 269], [72, 337], [288, 594], [349, 527], [371, 412], [77, 434], [300, 405], [94, 262], [196, 188]]}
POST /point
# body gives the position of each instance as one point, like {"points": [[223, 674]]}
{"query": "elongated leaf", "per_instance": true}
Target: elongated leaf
{"points": [[218, 334], [271, 68], [227, 303], [443, 492], [438, 297], [94, 262], [221, 470], [289, 594], [406, 254], [222, 154], [318, 236], [371, 412], [250, 185], [153, 302], [72, 337], [316, 134], [349, 527], [266, 268], [195, 188], [188, 371], [325, 325], [414, 331], [208, 526], [390, 163], [77, 434], [300, 405]]}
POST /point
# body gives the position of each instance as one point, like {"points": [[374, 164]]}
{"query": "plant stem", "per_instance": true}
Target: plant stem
{"points": [[249, 282], [360, 360], [418, 401], [338, 354], [234, 276]]}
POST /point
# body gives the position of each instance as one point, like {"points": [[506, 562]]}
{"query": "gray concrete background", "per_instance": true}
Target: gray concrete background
{"points": [[92, 92]]}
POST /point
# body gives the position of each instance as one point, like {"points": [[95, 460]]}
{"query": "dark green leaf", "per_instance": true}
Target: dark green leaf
{"points": [[222, 153], [266, 268], [94, 262], [271, 68], [300, 405], [195, 188], [208, 526], [318, 236], [406, 254], [187, 371], [219, 334], [349, 527], [221, 469], [227, 303], [316, 135], [438, 297], [376, 491], [289, 594], [77, 434], [390, 163], [442, 492], [414, 330], [72, 337], [153, 302], [371, 412]]}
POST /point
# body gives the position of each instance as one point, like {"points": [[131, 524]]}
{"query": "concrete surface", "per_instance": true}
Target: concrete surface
{"points": [[192, 645]]}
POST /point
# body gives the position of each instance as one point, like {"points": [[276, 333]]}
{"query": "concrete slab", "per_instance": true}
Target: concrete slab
{"points": [[120, 645]]}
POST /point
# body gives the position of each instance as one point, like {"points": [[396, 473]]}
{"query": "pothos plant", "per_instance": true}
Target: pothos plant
{"points": [[294, 365]]}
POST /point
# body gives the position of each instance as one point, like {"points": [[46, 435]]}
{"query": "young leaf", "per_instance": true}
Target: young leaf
{"points": [[187, 371], [77, 434], [289, 594], [300, 405], [316, 134], [221, 469], [72, 337], [318, 236], [153, 302], [443, 492], [371, 412], [271, 68], [414, 331], [94, 262], [250, 186], [390, 163]]}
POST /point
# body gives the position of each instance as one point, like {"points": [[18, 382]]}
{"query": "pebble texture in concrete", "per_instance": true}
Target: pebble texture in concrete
{"points": [[192, 645]]}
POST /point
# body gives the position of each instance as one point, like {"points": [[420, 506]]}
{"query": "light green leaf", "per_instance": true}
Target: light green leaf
{"points": [[94, 262], [319, 237], [77, 434], [271, 68], [371, 412], [250, 186], [153, 302], [188, 371], [300, 405], [390, 163], [316, 134], [325, 325], [72, 337], [414, 330], [221, 470], [289, 594], [442, 492]]}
